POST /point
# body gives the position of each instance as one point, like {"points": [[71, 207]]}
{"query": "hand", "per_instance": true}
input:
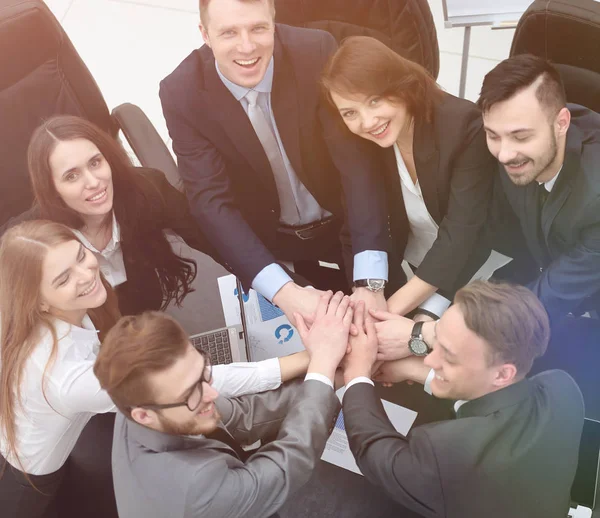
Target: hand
{"points": [[372, 301], [327, 339], [393, 333], [422, 317], [359, 361], [292, 299], [408, 369]]}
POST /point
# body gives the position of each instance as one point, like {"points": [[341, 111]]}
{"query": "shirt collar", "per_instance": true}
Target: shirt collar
{"points": [[112, 244], [458, 404], [239, 92], [495, 401], [86, 333], [550, 183]]}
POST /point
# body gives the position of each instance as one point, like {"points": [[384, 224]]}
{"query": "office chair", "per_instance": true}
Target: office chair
{"points": [[567, 33], [42, 75], [406, 26]]}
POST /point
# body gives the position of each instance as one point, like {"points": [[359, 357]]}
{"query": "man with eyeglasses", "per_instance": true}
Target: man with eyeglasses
{"points": [[177, 444]]}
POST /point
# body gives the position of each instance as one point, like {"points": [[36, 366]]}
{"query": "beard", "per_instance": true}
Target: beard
{"points": [[194, 426], [540, 165]]}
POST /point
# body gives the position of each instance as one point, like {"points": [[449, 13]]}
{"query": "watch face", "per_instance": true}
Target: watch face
{"points": [[418, 347], [375, 284]]}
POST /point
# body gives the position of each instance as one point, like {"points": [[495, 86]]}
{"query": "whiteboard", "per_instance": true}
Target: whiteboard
{"points": [[475, 12]]}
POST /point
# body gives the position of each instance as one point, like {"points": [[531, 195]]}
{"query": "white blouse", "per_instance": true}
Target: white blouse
{"points": [[47, 428], [110, 259]]}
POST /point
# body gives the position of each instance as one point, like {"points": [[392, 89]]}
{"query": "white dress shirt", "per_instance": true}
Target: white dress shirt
{"points": [[47, 428], [110, 259], [423, 230]]}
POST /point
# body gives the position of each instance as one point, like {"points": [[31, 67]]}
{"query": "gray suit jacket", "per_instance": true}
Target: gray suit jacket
{"points": [[157, 475], [511, 453]]}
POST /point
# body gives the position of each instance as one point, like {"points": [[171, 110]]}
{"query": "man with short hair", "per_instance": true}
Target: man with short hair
{"points": [[549, 156], [264, 161], [176, 447], [547, 202], [512, 449]]}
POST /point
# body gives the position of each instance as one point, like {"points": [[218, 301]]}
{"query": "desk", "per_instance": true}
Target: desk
{"points": [[333, 492]]}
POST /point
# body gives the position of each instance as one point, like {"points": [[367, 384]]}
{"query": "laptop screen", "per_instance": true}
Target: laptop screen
{"points": [[583, 491]]}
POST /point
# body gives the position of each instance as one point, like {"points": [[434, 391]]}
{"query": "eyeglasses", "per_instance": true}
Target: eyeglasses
{"points": [[194, 400]]}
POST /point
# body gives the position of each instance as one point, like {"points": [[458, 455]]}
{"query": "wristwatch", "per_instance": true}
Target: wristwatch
{"points": [[374, 285], [416, 344]]}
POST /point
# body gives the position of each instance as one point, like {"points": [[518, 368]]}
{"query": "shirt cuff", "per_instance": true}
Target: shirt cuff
{"points": [[318, 377], [437, 304], [270, 280], [428, 380], [360, 379], [371, 264]]}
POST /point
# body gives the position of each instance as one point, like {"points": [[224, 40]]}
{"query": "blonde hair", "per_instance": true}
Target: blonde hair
{"points": [[22, 252]]}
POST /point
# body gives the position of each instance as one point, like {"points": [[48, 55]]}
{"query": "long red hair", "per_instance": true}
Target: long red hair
{"points": [[22, 322]]}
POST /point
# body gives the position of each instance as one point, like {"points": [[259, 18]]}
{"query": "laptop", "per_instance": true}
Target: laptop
{"points": [[584, 489], [226, 344]]}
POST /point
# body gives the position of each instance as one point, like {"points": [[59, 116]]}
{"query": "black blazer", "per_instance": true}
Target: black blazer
{"points": [[226, 173], [564, 237], [510, 453], [142, 290], [455, 172]]}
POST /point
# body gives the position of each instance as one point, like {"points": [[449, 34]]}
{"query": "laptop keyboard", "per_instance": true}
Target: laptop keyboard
{"points": [[216, 344]]}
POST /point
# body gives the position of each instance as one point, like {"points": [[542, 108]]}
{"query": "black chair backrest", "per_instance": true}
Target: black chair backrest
{"points": [[406, 26], [567, 33], [40, 75]]}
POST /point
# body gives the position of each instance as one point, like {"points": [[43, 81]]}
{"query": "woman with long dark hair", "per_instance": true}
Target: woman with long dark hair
{"points": [[436, 166], [83, 178]]}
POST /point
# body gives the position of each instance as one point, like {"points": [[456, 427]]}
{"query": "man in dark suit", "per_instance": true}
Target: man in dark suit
{"points": [[177, 445], [548, 190], [512, 449], [548, 155], [261, 156]]}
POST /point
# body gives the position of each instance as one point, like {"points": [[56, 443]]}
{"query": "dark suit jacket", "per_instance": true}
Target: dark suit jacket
{"points": [[564, 238], [158, 475], [142, 291], [509, 453], [455, 172], [226, 173]]}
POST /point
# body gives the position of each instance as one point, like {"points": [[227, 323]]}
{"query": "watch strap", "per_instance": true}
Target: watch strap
{"points": [[417, 330]]}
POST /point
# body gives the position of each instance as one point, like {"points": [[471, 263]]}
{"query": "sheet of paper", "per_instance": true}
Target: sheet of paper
{"points": [[270, 333], [337, 450]]}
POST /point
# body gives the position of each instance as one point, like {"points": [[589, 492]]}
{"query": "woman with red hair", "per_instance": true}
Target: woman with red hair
{"points": [[437, 170]]}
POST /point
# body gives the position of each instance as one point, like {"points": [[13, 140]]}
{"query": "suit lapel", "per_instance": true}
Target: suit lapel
{"points": [[562, 188], [234, 121], [427, 159], [285, 100]]}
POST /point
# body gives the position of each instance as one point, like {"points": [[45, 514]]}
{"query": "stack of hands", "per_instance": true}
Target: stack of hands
{"points": [[373, 343]]}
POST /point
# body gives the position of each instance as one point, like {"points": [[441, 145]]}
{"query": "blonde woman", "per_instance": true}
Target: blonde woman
{"points": [[55, 308]]}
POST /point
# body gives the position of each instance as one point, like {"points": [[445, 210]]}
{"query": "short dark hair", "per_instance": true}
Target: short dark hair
{"points": [[519, 72], [136, 347], [510, 318]]}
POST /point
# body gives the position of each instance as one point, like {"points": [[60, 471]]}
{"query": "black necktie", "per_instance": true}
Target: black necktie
{"points": [[222, 435], [542, 195]]}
